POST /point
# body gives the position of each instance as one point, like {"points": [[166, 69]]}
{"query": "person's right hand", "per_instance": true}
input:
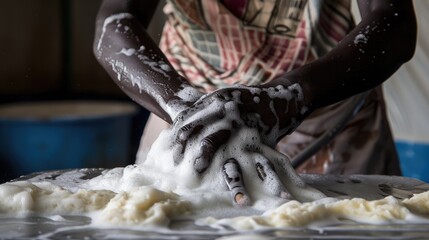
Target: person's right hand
{"points": [[250, 170], [249, 163]]}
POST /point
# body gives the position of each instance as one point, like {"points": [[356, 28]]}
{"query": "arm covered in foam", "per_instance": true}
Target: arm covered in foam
{"points": [[134, 61]]}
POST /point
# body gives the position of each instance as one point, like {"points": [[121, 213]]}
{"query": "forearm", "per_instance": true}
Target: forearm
{"points": [[138, 66], [366, 57]]}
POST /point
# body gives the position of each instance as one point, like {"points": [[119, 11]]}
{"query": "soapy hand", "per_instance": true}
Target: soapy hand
{"points": [[211, 124], [249, 161], [272, 111]]}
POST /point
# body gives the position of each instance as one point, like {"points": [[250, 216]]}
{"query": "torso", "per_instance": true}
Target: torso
{"points": [[219, 43]]}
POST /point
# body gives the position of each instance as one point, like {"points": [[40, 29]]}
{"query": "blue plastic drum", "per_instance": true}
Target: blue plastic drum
{"points": [[69, 134], [414, 158]]}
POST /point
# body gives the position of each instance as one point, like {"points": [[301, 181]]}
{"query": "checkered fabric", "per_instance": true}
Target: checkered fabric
{"points": [[215, 45]]}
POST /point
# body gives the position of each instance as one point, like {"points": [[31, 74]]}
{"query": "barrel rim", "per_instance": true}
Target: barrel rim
{"points": [[65, 110]]}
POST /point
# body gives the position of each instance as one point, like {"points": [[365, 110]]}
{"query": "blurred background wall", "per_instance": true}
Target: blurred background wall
{"points": [[407, 98], [46, 51], [30, 48], [46, 54]]}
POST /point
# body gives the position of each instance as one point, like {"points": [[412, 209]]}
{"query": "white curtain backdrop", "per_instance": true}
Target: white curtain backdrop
{"points": [[407, 92]]}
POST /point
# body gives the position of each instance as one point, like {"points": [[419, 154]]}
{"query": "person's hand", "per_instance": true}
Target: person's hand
{"points": [[251, 170], [272, 111], [216, 124]]}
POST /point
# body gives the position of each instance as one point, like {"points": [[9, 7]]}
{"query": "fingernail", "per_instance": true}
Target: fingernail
{"points": [[285, 195], [200, 165], [238, 197], [241, 199]]}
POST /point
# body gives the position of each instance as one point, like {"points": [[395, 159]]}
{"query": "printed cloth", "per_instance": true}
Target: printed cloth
{"points": [[216, 44]]}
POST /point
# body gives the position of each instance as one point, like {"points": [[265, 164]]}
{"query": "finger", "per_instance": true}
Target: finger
{"points": [[233, 177], [182, 137], [208, 109], [185, 114], [282, 164], [192, 129], [209, 145], [290, 178], [268, 175]]}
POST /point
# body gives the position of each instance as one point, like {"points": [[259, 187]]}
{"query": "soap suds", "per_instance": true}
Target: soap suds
{"points": [[128, 52], [109, 20], [360, 38]]}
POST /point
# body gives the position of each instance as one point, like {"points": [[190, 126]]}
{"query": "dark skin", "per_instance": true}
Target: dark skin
{"points": [[275, 109], [169, 84]]}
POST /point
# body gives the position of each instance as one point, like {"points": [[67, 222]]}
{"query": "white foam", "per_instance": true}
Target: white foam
{"points": [[360, 38], [108, 21], [256, 100], [128, 52], [188, 94]]}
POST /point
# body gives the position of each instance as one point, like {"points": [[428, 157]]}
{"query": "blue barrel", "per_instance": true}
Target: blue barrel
{"points": [[414, 159], [68, 134]]}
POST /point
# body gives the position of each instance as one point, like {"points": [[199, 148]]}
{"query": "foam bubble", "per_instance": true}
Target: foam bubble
{"points": [[128, 52]]}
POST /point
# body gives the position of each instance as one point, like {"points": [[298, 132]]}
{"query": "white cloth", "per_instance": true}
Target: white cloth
{"points": [[153, 128], [407, 92]]}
